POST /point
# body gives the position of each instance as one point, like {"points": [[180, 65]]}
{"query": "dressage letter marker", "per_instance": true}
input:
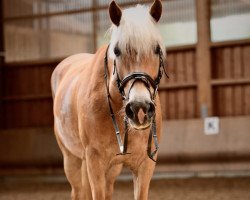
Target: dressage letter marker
{"points": [[211, 125]]}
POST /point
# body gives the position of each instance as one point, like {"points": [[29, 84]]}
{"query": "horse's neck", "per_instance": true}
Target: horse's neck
{"points": [[116, 97], [98, 82]]}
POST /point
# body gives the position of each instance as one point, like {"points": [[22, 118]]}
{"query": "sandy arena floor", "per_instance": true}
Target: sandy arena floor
{"points": [[163, 189]]}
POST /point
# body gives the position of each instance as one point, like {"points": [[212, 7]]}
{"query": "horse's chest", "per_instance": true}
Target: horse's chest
{"points": [[137, 151]]}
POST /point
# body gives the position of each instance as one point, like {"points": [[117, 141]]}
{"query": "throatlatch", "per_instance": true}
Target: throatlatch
{"points": [[140, 76]]}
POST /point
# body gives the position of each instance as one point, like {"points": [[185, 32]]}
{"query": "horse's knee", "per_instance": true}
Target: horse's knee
{"points": [[80, 194], [110, 180], [76, 193], [96, 173], [72, 169], [85, 183]]}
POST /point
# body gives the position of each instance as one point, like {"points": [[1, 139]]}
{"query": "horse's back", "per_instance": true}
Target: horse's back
{"points": [[72, 63]]}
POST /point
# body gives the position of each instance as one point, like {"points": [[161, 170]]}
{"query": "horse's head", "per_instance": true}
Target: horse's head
{"points": [[137, 51]]}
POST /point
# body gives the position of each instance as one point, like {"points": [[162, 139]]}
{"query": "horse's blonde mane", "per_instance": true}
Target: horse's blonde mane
{"points": [[137, 31]]}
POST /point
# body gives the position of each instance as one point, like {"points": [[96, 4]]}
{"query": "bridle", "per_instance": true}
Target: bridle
{"points": [[149, 82]]}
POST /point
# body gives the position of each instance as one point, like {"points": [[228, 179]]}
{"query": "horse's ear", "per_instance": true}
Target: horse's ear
{"points": [[156, 10], [115, 13]]}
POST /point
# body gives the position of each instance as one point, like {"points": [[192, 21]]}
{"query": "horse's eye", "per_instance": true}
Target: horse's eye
{"points": [[117, 51], [157, 49]]}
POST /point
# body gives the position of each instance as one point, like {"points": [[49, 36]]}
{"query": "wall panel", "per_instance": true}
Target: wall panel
{"points": [[231, 65], [27, 98], [28, 113], [181, 100]]}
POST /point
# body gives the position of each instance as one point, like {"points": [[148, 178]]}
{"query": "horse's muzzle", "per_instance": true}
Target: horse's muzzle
{"points": [[140, 114]]}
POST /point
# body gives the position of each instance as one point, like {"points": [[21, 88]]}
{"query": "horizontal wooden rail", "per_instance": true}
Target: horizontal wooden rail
{"points": [[49, 96], [166, 86], [181, 48], [27, 98], [51, 61], [215, 82], [70, 12], [171, 86], [224, 82], [33, 63], [230, 43]]}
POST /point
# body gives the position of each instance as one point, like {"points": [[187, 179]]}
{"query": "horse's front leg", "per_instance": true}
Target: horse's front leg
{"points": [[96, 167], [142, 179], [111, 175]]}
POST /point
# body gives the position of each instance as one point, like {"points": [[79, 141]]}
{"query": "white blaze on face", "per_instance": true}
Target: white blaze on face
{"points": [[139, 93], [138, 105]]}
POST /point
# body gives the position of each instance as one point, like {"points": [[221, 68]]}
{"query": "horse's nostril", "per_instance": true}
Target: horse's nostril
{"points": [[140, 112], [151, 110], [129, 111]]}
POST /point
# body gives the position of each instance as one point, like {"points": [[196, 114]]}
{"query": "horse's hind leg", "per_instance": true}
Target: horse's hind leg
{"points": [[72, 168]]}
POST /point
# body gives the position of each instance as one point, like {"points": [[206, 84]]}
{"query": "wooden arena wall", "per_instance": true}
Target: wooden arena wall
{"points": [[27, 100], [230, 81]]}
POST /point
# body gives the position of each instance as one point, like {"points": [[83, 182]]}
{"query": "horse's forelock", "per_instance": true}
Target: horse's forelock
{"points": [[137, 33]]}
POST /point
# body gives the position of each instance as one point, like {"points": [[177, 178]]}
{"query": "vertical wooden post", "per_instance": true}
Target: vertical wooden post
{"points": [[203, 57], [95, 23], [44, 28], [2, 60]]}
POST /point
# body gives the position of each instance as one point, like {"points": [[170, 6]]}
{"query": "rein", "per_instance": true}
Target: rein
{"points": [[148, 81]]}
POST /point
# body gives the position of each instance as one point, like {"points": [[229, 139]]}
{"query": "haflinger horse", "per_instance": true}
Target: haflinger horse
{"points": [[107, 112]]}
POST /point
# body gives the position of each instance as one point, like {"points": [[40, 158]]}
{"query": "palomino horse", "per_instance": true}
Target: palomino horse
{"points": [[120, 80]]}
